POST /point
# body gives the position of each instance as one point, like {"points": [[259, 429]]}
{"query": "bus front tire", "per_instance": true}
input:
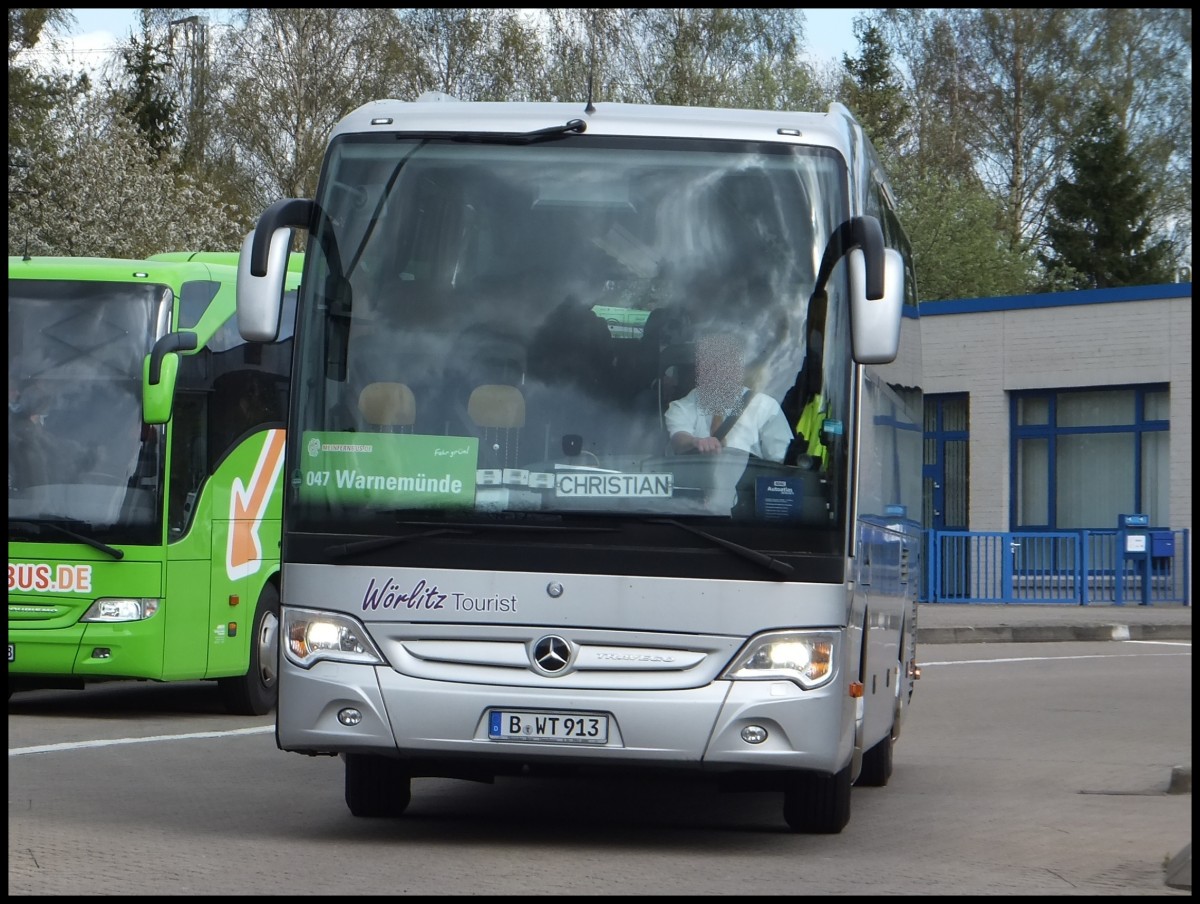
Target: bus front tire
{"points": [[254, 694], [376, 785], [818, 804], [877, 764]]}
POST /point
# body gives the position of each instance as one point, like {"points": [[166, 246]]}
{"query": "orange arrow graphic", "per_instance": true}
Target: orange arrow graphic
{"points": [[248, 504]]}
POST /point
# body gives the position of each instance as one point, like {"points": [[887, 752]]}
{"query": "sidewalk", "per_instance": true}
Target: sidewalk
{"points": [[1023, 623]]}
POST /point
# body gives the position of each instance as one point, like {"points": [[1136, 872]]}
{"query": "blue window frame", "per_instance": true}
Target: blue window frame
{"points": [[1080, 457]]}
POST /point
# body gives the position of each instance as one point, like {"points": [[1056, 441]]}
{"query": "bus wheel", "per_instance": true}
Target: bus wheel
{"points": [[254, 693], [818, 804], [376, 785]]}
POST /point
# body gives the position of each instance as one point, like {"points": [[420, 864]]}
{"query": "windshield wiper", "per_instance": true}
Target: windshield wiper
{"points": [[35, 528], [340, 550], [758, 558], [472, 526], [574, 125]]}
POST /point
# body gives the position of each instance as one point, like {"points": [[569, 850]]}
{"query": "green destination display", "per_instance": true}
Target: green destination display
{"points": [[385, 469]]}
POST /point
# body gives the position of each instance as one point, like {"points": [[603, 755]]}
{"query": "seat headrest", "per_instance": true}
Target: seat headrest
{"points": [[496, 405], [388, 405]]}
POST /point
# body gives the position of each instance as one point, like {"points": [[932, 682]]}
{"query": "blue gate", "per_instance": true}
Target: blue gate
{"points": [[1001, 567], [1075, 567]]}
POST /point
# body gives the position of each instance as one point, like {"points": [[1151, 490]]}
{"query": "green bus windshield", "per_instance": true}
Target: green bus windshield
{"points": [[77, 448]]}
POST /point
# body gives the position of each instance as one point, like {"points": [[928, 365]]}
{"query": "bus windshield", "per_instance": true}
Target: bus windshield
{"points": [[616, 330], [78, 451]]}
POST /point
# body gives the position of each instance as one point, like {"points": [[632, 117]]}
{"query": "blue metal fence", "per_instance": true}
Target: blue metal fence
{"points": [[1099, 567]]}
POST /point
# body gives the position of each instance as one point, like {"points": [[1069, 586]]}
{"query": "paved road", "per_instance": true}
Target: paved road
{"points": [[70, 818], [1036, 768], [939, 623]]}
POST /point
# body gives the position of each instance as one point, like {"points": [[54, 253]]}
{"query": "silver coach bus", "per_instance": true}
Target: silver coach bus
{"points": [[604, 449]]}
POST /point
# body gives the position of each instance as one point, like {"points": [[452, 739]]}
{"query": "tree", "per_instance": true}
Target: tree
{"points": [[33, 94], [973, 109], [999, 94], [581, 49], [690, 57], [106, 192], [284, 78], [474, 54], [955, 225], [959, 251], [873, 91], [27, 87], [148, 102], [1140, 61], [937, 89], [1026, 87], [1099, 223]]}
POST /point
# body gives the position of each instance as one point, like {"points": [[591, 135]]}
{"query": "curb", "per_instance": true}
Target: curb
{"points": [[1179, 870], [1181, 780], [1052, 633]]}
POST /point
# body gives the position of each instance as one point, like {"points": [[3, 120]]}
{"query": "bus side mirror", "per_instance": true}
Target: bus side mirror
{"points": [[160, 370], [260, 298], [263, 267], [875, 323]]}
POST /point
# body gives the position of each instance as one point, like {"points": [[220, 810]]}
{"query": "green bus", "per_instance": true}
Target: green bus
{"points": [[145, 451]]}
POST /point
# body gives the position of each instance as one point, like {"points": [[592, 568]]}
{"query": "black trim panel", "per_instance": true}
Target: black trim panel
{"points": [[564, 555]]}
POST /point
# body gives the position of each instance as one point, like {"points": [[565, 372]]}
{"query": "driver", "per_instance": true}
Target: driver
{"points": [[29, 445], [722, 412]]}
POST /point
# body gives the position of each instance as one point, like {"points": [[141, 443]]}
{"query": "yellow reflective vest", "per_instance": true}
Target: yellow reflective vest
{"points": [[809, 425]]}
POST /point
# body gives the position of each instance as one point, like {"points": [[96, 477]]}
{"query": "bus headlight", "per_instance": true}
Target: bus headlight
{"points": [[120, 609], [311, 635], [806, 658]]}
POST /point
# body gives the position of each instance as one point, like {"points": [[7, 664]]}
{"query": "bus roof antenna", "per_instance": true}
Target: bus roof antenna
{"points": [[590, 108]]}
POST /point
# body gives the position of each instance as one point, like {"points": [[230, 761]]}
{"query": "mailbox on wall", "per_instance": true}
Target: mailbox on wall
{"points": [[1162, 544], [1138, 538], [1148, 558], [1135, 532]]}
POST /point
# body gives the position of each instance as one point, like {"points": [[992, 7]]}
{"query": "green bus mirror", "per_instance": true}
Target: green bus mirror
{"points": [[158, 398], [160, 369]]}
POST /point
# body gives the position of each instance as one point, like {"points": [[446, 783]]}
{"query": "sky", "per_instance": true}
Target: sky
{"points": [[829, 33]]}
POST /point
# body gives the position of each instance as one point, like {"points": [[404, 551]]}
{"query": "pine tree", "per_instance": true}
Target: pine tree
{"points": [[1099, 222], [148, 100], [873, 91]]}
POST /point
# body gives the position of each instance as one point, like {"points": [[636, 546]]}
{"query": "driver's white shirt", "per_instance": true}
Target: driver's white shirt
{"points": [[762, 429]]}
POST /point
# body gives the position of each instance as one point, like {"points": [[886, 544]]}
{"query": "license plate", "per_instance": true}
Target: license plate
{"points": [[571, 728]]}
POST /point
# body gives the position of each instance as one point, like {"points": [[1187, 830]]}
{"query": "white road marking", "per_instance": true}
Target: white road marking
{"points": [[83, 745], [924, 663], [263, 729]]}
